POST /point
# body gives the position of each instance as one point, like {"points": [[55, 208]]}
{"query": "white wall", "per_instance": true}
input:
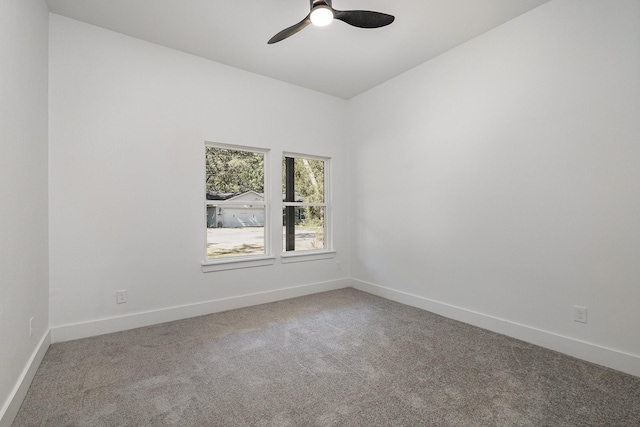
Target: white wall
{"points": [[128, 121], [23, 190], [514, 160]]}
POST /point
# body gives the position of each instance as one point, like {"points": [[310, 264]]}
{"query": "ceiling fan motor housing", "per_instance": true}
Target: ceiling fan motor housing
{"points": [[315, 3]]}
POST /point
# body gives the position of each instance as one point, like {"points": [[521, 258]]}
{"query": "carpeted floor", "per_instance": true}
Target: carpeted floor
{"points": [[340, 358]]}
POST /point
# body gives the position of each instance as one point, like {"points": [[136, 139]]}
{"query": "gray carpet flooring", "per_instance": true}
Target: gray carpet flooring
{"points": [[339, 358]]}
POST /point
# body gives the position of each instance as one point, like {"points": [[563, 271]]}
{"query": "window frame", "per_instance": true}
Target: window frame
{"points": [[328, 250], [246, 261]]}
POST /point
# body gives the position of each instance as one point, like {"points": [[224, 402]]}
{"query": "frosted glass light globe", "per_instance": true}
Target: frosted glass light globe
{"points": [[321, 16]]}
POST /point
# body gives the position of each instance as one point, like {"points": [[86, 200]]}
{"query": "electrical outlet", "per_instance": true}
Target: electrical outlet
{"points": [[338, 266], [580, 314], [30, 327], [121, 297]]}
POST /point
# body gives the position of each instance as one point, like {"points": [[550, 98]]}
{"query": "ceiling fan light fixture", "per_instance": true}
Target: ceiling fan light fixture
{"points": [[321, 15]]}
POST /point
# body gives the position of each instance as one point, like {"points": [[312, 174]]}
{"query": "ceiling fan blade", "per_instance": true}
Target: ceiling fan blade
{"points": [[363, 18], [288, 32]]}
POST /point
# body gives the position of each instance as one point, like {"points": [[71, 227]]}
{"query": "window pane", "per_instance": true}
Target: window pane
{"points": [[308, 232], [233, 172], [235, 230], [235, 209], [308, 180]]}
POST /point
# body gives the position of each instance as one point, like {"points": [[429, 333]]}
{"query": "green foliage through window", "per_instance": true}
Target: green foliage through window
{"points": [[309, 179], [234, 171]]}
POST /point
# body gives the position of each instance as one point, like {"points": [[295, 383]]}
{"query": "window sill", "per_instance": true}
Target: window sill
{"points": [[232, 264], [288, 257]]}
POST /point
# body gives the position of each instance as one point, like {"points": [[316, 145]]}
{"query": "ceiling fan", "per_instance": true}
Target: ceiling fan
{"points": [[322, 13]]}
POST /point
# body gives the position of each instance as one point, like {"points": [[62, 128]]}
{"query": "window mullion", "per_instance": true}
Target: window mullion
{"points": [[290, 196]]}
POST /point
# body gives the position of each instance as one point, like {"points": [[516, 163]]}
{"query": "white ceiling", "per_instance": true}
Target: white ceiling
{"points": [[339, 59]]}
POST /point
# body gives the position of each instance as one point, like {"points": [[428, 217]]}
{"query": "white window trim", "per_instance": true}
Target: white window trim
{"points": [[237, 262], [232, 263], [294, 256], [328, 251]]}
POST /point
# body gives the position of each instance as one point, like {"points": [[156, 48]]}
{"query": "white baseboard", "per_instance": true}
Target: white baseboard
{"points": [[137, 320], [17, 395], [590, 352]]}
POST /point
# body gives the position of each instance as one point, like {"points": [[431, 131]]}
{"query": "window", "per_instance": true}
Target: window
{"points": [[236, 204], [305, 210]]}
